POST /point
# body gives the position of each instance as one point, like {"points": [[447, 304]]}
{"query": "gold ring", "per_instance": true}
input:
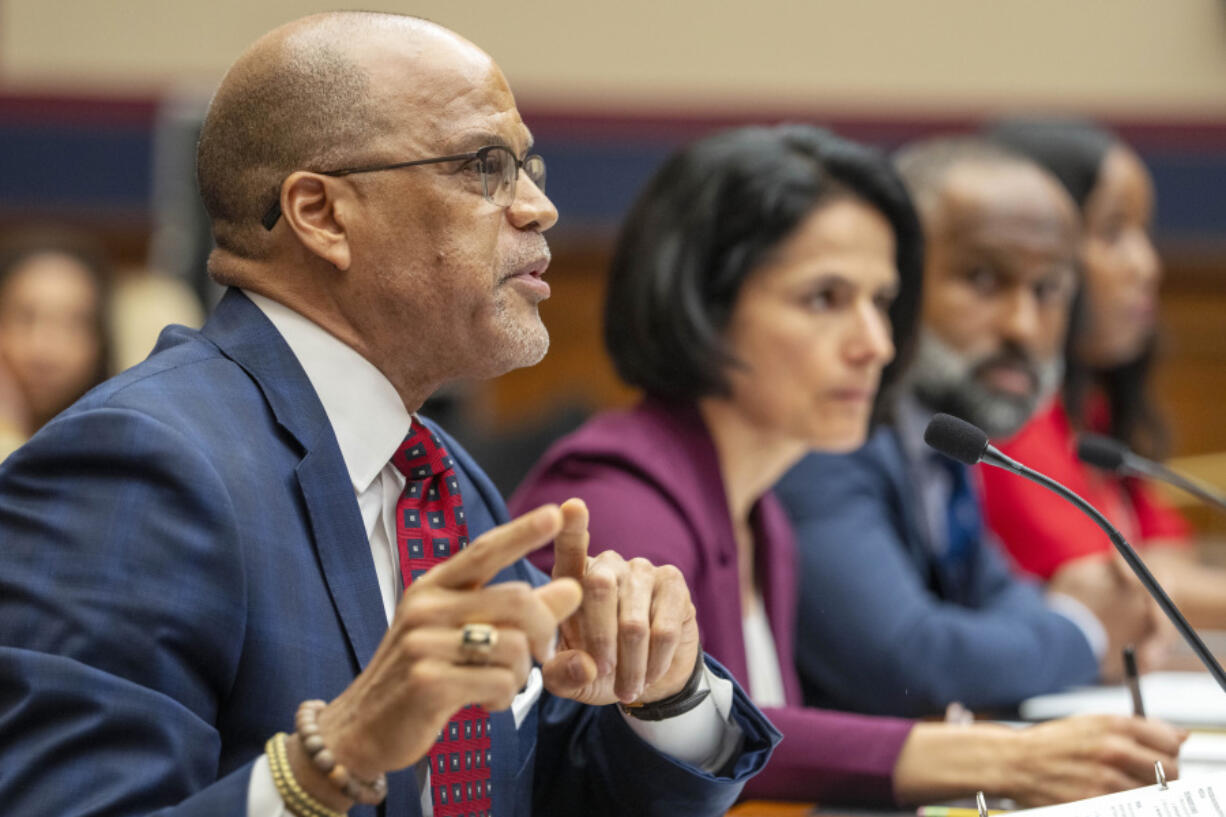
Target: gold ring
{"points": [[477, 642]]}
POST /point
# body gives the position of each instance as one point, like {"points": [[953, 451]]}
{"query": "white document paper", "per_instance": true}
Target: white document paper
{"points": [[1185, 698], [1201, 754], [1195, 797]]}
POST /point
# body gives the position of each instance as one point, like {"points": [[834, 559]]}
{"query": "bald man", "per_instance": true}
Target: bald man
{"points": [[252, 534], [908, 605]]}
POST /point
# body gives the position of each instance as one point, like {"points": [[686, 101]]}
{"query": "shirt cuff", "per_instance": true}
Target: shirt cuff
{"points": [[705, 737], [1084, 618], [263, 799]]}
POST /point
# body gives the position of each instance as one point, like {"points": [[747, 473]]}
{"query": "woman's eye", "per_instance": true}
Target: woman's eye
{"points": [[822, 299]]}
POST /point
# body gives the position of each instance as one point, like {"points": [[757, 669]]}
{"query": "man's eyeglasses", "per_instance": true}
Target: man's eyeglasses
{"points": [[498, 165]]}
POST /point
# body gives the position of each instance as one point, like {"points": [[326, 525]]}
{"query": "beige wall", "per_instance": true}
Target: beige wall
{"points": [[1129, 57]]}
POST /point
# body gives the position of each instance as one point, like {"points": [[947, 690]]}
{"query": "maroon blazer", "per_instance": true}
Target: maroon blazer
{"points": [[651, 479]]}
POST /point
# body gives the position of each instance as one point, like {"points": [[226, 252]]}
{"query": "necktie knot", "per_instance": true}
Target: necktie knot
{"points": [[958, 473], [421, 454]]}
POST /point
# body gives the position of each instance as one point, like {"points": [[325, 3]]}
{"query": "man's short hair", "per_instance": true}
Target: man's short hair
{"points": [[925, 166], [707, 219], [303, 107]]}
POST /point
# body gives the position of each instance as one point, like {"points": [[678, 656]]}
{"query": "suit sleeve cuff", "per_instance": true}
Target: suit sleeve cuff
{"points": [[705, 737]]}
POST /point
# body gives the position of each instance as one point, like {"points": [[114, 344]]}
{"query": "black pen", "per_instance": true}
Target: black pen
{"points": [[1134, 681]]}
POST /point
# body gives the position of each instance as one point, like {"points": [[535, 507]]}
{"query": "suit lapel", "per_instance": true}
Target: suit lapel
{"points": [[247, 337], [918, 539], [344, 556], [343, 552]]}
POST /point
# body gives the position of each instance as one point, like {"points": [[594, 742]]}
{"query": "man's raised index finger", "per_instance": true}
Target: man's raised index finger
{"points": [[570, 545], [495, 549]]}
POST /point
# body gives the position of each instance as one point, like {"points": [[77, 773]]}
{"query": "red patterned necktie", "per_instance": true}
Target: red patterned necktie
{"points": [[430, 527]]}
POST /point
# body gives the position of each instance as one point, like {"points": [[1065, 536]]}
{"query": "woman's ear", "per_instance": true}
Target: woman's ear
{"points": [[309, 204]]}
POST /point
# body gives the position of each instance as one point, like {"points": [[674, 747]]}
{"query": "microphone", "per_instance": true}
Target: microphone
{"points": [[968, 444], [1110, 454]]}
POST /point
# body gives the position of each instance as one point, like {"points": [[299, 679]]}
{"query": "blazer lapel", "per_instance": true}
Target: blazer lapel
{"points": [[343, 551], [776, 553], [247, 337], [344, 555], [916, 532]]}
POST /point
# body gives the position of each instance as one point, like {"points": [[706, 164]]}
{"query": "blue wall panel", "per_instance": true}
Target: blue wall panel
{"points": [[592, 179], [46, 166]]}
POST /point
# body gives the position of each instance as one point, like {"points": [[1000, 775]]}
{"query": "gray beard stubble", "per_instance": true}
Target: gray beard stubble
{"points": [[944, 380]]}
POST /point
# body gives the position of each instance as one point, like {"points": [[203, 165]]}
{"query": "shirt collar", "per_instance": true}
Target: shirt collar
{"points": [[911, 419], [366, 413]]}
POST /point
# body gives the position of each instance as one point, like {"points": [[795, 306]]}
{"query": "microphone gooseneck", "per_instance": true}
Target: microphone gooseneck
{"points": [[960, 440], [1111, 455]]}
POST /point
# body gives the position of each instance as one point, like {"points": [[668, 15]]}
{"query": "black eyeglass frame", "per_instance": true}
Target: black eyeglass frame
{"points": [[273, 213]]}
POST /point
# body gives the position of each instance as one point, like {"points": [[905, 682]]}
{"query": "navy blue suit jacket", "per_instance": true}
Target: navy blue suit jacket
{"points": [[182, 561], [878, 632]]}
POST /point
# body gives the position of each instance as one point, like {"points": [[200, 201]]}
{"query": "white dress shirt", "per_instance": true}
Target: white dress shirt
{"points": [[762, 656], [370, 421]]}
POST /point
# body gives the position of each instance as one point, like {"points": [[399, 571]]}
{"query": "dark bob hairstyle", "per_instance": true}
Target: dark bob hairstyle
{"points": [[1074, 151], [707, 219]]}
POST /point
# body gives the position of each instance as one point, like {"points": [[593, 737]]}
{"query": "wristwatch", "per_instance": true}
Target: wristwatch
{"points": [[676, 704]]}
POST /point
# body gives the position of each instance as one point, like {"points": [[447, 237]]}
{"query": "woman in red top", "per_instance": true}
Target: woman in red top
{"points": [[1109, 358]]}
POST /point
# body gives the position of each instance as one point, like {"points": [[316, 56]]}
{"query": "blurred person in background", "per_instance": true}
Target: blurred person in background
{"points": [[758, 291], [143, 302], [13, 421], [1109, 359], [53, 335], [909, 604]]}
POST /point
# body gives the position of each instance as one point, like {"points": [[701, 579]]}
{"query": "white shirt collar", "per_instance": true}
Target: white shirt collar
{"points": [[366, 413]]}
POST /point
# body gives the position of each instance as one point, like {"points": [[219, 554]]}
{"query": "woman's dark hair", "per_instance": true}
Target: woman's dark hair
{"points": [[707, 219], [1074, 151], [18, 248]]}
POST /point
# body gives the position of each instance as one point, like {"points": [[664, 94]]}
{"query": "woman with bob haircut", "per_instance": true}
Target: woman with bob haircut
{"points": [[758, 292], [1109, 362]]}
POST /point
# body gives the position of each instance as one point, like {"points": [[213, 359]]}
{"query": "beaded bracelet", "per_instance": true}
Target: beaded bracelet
{"points": [[370, 792], [296, 798]]}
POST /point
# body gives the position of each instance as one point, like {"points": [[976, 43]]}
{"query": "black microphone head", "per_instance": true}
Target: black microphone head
{"points": [[956, 438], [1102, 452]]}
